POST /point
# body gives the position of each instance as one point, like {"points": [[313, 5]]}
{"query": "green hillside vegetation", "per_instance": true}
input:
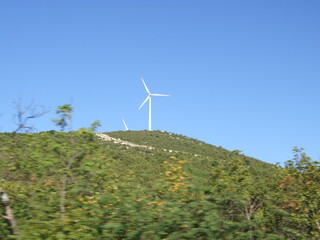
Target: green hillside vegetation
{"points": [[75, 185], [169, 141]]}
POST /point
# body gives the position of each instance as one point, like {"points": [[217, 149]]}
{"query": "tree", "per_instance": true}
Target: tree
{"points": [[25, 113], [65, 116], [300, 190], [93, 127], [241, 197], [68, 156]]}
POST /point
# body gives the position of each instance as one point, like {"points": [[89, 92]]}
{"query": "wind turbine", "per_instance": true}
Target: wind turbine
{"points": [[125, 125], [149, 97]]}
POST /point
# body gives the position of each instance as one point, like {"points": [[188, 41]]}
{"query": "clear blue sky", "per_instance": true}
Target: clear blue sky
{"points": [[242, 74]]}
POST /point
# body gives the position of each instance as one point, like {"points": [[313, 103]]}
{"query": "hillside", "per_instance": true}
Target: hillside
{"points": [[178, 143], [77, 185]]}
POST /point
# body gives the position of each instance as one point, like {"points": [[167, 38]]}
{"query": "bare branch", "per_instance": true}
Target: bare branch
{"points": [[25, 113]]}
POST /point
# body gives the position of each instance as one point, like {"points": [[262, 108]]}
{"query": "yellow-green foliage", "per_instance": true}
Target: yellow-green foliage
{"points": [[76, 186]]}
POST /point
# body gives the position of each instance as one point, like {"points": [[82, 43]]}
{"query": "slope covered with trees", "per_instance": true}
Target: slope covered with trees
{"points": [[183, 144], [76, 186]]}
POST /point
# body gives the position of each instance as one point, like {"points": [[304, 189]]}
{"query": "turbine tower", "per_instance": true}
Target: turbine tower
{"points": [[149, 97]]}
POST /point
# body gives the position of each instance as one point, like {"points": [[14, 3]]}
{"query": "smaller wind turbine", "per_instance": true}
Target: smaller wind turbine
{"points": [[125, 125], [149, 97]]}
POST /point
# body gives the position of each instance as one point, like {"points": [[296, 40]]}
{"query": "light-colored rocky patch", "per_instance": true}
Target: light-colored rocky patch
{"points": [[120, 141], [106, 137]]}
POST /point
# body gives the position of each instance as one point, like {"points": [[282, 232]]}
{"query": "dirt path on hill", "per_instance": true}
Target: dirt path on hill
{"points": [[120, 141], [106, 137]]}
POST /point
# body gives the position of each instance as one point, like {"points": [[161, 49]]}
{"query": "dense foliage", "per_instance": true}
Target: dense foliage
{"points": [[170, 141], [76, 186]]}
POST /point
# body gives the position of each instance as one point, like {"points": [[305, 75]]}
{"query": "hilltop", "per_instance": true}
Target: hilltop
{"points": [[140, 185]]}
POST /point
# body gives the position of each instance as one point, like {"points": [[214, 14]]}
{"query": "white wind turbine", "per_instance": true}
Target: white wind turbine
{"points": [[150, 95], [125, 125]]}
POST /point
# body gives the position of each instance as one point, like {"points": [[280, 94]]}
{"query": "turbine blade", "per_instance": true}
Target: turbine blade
{"points": [[125, 125], [145, 86], [160, 95], [144, 102]]}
